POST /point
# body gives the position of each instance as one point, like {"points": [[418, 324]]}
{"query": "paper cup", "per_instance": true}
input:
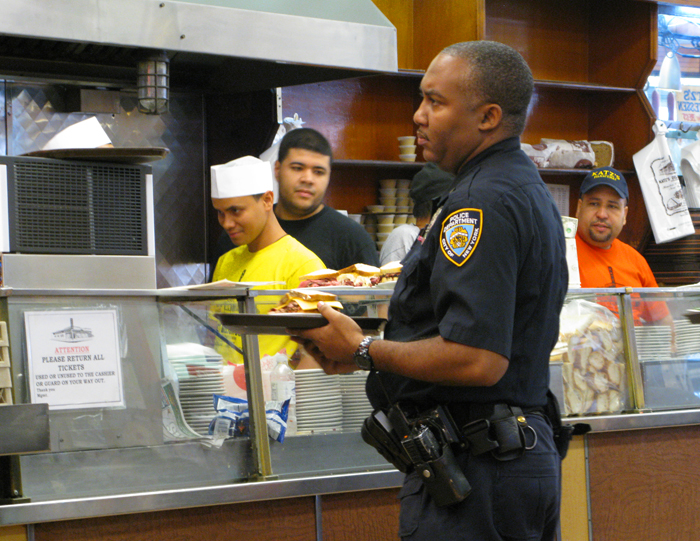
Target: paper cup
{"points": [[407, 157], [407, 140], [407, 149], [387, 183]]}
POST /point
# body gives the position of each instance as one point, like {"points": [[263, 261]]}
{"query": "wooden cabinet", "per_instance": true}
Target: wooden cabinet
{"points": [[590, 60]]}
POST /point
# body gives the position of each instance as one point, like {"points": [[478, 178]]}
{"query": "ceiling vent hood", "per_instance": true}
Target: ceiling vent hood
{"points": [[230, 44]]}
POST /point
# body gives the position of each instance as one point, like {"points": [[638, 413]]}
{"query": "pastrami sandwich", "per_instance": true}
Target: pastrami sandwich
{"points": [[359, 275], [305, 301], [320, 278], [390, 272]]}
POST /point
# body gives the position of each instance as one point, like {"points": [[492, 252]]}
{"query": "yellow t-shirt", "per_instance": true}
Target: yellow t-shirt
{"points": [[286, 261]]}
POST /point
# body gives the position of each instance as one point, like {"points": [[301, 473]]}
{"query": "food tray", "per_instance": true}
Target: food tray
{"points": [[130, 155], [279, 323]]}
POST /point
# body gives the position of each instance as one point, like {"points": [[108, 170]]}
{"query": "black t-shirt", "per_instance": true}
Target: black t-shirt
{"points": [[336, 239], [491, 274]]}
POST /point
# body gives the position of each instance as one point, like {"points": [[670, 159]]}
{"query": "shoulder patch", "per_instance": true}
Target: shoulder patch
{"points": [[460, 234]]}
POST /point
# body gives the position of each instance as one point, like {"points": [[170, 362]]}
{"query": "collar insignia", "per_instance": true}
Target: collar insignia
{"points": [[461, 231]]}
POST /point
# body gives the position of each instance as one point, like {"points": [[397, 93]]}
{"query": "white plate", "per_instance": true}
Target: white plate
{"points": [[304, 409]]}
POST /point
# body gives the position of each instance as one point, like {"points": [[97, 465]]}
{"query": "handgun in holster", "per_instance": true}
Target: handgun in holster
{"points": [[378, 432], [425, 446]]}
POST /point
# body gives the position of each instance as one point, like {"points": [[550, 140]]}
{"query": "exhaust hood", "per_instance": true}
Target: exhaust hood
{"points": [[232, 44]]}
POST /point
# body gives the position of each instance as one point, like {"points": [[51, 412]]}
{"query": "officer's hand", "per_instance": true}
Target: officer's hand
{"points": [[332, 345]]}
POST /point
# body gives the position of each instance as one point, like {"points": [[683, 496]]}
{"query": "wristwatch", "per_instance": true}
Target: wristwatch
{"points": [[362, 358]]}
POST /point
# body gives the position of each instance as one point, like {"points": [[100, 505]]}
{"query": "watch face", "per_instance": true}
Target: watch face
{"points": [[363, 362], [362, 357]]}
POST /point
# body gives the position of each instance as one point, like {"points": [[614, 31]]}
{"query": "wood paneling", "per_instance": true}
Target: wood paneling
{"points": [[13, 533], [554, 42], [291, 520], [644, 484], [360, 117], [361, 516], [438, 24], [623, 42], [400, 13], [574, 493]]}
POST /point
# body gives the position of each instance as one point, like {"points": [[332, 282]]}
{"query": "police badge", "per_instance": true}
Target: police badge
{"points": [[460, 235]]}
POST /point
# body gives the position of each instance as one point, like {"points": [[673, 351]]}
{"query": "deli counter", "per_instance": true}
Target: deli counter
{"points": [[131, 376]]}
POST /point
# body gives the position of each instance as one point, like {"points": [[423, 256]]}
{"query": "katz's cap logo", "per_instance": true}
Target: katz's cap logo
{"points": [[461, 231]]}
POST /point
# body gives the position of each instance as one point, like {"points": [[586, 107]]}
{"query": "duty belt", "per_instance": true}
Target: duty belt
{"points": [[496, 428]]}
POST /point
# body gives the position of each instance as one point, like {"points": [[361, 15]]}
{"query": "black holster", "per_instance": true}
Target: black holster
{"points": [[423, 445]]}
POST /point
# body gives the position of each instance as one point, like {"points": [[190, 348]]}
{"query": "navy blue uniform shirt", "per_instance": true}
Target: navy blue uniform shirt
{"points": [[491, 274]]}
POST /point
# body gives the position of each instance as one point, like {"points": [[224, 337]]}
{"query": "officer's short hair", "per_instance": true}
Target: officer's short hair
{"points": [[500, 75], [305, 139]]}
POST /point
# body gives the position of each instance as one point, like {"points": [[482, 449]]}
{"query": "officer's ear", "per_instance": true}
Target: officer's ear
{"points": [[491, 116]]}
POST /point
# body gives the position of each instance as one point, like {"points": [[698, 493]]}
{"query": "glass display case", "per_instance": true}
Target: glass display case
{"points": [[628, 351], [172, 359], [131, 432]]}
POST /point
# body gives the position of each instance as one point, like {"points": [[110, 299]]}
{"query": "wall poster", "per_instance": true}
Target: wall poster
{"points": [[73, 358]]}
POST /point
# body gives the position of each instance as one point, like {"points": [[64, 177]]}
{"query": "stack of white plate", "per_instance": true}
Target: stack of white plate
{"points": [[653, 342], [200, 376], [356, 406], [687, 337], [319, 403]]}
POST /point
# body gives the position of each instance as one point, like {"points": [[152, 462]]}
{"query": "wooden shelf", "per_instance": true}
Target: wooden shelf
{"points": [[587, 87], [379, 164]]}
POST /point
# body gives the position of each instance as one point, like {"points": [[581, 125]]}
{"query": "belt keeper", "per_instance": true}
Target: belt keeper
{"points": [[476, 435]]}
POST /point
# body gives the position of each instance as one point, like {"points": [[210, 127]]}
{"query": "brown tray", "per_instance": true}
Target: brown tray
{"points": [[107, 154], [279, 323]]}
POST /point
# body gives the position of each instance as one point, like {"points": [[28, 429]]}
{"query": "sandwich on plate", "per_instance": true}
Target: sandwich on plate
{"points": [[305, 301], [359, 275], [320, 278], [390, 272]]}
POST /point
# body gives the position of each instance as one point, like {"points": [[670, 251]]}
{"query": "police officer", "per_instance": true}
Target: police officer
{"points": [[475, 312]]}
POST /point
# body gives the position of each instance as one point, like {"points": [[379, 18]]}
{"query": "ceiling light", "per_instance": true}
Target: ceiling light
{"points": [[153, 84]]}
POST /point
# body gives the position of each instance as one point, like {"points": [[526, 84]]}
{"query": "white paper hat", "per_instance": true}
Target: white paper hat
{"points": [[240, 177], [85, 134]]}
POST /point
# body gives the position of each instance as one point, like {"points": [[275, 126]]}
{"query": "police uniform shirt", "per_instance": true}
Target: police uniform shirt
{"points": [[491, 274]]}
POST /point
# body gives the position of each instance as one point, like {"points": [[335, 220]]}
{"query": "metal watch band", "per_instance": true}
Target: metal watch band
{"points": [[362, 357]]}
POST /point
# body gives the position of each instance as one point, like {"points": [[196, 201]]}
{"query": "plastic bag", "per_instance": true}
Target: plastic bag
{"points": [[593, 365], [662, 190], [233, 418], [288, 124]]}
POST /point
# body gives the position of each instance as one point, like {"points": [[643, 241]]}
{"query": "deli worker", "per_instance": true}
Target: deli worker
{"points": [[604, 260], [475, 311], [241, 192]]}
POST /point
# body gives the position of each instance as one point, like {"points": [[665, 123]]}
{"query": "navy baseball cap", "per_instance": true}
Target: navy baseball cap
{"points": [[605, 176]]}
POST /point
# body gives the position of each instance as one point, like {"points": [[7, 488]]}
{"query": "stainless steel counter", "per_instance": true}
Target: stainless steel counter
{"points": [[75, 508]]}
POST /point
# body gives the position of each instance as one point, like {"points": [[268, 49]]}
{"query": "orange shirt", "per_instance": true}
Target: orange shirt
{"points": [[619, 266]]}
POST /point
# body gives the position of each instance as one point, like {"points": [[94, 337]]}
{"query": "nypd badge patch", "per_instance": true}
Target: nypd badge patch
{"points": [[460, 235]]}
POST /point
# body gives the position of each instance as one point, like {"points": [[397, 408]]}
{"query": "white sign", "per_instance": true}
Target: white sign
{"points": [[688, 104], [73, 358]]}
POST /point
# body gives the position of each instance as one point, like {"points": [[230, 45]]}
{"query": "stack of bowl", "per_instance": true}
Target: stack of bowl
{"points": [[394, 209], [407, 148]]}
